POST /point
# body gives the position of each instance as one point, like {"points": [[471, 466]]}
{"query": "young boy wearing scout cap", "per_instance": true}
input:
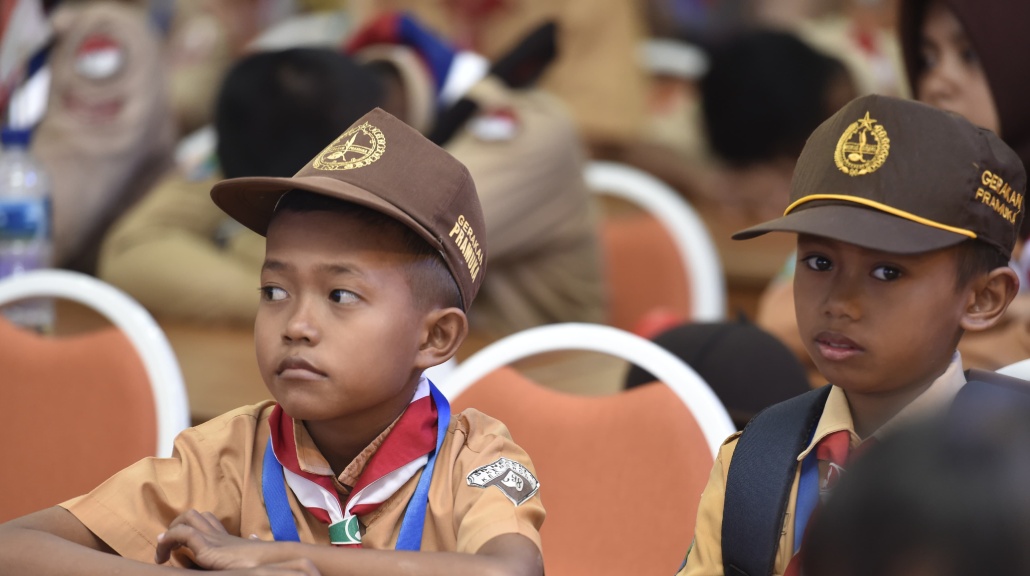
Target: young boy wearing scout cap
{"points": [[906, 216], [375, 250]]}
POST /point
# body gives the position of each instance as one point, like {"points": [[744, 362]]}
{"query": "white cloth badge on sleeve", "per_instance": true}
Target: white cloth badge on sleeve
{"points": [[514, 480]]}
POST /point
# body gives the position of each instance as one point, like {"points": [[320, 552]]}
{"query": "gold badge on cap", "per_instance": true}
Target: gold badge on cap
{"points": [[863, 147], [360, 146]]}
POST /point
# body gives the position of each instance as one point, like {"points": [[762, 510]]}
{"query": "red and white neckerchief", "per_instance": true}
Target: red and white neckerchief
{"points": [[402, 454], [833, 452]]}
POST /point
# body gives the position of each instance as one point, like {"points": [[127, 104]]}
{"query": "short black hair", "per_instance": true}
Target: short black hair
{"points": [[764, 94], [277, 110], [975, 258], [772, 373], [431, 282]]}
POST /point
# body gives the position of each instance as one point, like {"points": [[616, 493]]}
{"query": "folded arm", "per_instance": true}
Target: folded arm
{"points": [[213, 547], [54, 542]]}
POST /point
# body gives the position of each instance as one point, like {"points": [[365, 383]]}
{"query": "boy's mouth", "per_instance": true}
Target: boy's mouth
{"points": [[837, 347], [297, 368]]}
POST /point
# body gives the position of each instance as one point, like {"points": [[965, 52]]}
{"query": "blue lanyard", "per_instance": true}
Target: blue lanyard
{"points": [[280, 517], [808, 496]]}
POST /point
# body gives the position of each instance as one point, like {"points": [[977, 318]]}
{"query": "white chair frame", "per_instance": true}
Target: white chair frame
{"points": [[169, 391], [689, 233], [695, 393]]}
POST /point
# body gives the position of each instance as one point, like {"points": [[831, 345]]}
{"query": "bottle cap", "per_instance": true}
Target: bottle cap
{"points": [[15, 137]]}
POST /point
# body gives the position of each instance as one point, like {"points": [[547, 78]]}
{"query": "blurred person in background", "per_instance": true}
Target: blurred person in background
{"points": [[946, 497], [863, 35], [205, 37], [522, 148], [100, 117], [764, 93], [745, 103], [597, 73]]}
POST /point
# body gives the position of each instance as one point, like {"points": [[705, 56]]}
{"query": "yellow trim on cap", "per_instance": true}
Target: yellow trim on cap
{"points": [[883, 208]]}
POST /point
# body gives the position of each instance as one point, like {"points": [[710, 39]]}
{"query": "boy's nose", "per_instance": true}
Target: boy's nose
{"points": [[301, 326], [843, 300]]}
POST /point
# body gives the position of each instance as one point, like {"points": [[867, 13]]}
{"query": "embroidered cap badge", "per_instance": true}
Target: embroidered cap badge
{"points": [[360, 146], [863, 147]]}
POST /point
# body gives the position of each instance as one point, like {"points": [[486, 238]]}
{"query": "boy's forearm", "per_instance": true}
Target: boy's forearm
{"points": [[36, 553], [507, 555], [54, 542]]}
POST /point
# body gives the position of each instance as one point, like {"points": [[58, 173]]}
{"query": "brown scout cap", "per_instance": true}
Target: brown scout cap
{"points": [[900, 176], [383, 164]]}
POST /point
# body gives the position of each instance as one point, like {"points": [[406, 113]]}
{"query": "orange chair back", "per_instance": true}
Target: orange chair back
{"points": [[620, 475], [76, 410], [643, 270]]}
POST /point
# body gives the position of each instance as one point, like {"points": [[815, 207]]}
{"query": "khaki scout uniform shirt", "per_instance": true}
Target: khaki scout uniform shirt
{"points": [[705, 556], [217, 466]]}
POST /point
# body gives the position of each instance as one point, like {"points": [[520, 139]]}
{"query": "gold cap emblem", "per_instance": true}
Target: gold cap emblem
{"points": [[355, 148], [863, 147]]}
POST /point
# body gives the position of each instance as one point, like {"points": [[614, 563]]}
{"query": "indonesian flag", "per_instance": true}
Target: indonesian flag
{"points": [[401, 455]]}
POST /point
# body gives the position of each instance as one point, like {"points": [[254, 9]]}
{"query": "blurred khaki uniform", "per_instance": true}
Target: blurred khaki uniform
{"points": [[597, 72], [544, 256], [107, 134], [217, 467]]}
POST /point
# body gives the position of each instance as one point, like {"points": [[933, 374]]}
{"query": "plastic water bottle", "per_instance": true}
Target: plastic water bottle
{"points": [[25, 218]]}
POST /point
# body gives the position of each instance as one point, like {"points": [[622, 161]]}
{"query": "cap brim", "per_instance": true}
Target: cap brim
{"points": [[251, 201], [861, 226]]}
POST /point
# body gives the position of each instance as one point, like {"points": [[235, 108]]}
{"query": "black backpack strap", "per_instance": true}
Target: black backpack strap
{"points": [[759, 481], [985, 390], [995, 379]]}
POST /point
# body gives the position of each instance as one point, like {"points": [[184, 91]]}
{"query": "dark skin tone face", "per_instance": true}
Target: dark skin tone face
{"points": [[883, 326], [341, 341]]}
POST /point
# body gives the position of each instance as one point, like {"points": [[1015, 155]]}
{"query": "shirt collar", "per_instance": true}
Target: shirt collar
{"points": [[836, 414], [312, 461]]}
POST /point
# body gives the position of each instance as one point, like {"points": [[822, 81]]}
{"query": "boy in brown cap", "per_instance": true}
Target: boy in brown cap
{"points": [[375, 250], [906, 217]]}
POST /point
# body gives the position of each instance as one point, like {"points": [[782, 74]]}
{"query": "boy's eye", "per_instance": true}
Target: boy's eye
{"points": [[820, 263], [272, 293], [341, 296], [886, 273]]}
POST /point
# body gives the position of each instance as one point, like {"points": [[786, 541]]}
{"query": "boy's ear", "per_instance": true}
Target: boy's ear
{"points": [[990, 295], [444, 330]]}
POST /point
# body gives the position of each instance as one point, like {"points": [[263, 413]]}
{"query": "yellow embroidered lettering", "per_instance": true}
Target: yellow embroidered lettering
{"points": [[469, 254]]}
